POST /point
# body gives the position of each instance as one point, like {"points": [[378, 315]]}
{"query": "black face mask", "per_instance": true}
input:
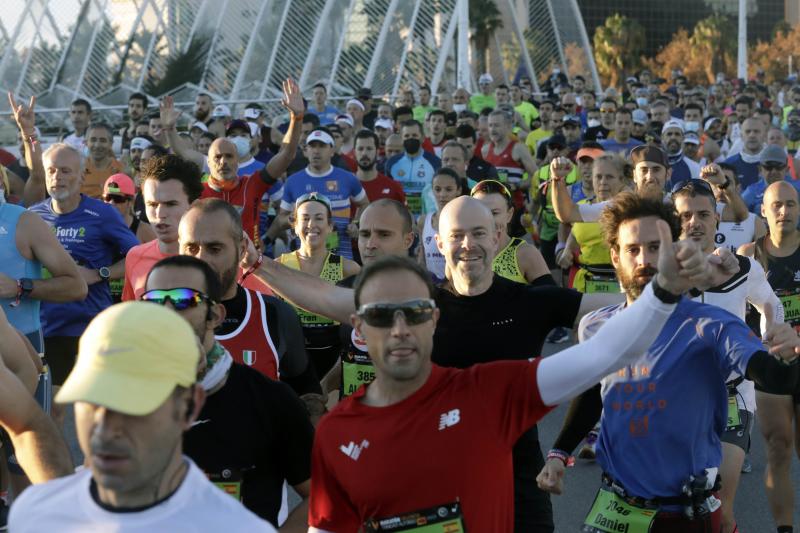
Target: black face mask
{"points": [[793, 132], [411, 146]]}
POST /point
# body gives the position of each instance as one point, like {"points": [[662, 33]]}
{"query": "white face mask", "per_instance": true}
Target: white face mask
{"points": [[242, 147], [592, 123], [691, 126], [641, 101], [458, 108]]}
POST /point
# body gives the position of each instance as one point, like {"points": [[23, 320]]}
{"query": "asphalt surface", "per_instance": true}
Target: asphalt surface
{"points": [[583, 480]]}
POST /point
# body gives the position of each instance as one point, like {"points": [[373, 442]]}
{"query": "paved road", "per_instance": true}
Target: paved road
{"points": [[582, 481]]}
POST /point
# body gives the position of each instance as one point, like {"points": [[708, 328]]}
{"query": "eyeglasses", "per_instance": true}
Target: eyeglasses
{"points": [[773, 166], [313, 197], [181, 298], [693, 185], [490, 187], [383, 315], [113, 198]]}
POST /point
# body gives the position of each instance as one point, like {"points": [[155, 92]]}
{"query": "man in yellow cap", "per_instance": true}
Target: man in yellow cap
{"points": [[135, 394]]}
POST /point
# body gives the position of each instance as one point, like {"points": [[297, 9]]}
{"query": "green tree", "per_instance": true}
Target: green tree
{"points": [[618, 45], [184, 67], [484, 21], [714, 41]]}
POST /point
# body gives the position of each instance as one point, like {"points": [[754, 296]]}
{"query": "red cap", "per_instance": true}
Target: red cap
{"points": [[593, 153], [120, 184]]}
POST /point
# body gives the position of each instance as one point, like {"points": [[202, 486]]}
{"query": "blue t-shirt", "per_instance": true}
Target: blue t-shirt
{"points": [[754, 195], [611, 145], [747, 173], [93, 234], [340, 187], [328, 116], [683, 170], [414, 174], [663, 415], [251, 168]]}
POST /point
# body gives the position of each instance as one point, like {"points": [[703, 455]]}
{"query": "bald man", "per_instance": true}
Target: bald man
{"points": [[483, 317], [243, 192], [779, 252]]}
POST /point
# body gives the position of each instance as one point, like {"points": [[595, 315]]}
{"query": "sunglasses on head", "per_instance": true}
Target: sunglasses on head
{"points": [[313, 197], [113, 198], [383, 315], [181, 298], [490, 187], [694, 185]]}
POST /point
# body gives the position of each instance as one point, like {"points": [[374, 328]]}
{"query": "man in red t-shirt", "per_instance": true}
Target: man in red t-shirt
{"points": [[423, 441], [375, 184], [242, 192]]}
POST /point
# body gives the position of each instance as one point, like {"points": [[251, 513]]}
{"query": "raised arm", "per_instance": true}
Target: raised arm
{"points": [[566, 210], [169, 120], [713, 174], [35, 188], [293, 101]]}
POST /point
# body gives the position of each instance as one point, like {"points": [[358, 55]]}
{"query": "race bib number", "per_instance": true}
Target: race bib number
{"points": [[332, 241], [612, 514], [414, 202], [356, 372], [441, 519], [229, 481], [791, 308], [116, 286], [734, 418], [599, 285]]}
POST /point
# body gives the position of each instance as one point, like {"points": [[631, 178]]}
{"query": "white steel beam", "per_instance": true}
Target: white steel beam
{"points": [[406, 46], [557, 35], [339, 48], [523, 47], [587, 44], [444, 51], [381, 42], [312, 50], [90, 48], [274, 54], [248, 52]]}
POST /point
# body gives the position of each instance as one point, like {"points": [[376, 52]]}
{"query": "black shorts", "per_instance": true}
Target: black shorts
{"points": [[740, 437], [60, 353], [548, 249]]}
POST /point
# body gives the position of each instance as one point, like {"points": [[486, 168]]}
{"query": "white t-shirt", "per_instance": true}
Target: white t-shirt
{"points": [[592, 212], [66, 505]]}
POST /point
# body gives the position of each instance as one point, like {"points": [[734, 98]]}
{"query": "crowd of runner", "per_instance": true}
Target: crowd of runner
{"points": [[352, 299]]}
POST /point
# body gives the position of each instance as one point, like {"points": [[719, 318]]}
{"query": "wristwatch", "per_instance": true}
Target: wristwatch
{"points": [[25, 286], [726, 184], [104, 272]]}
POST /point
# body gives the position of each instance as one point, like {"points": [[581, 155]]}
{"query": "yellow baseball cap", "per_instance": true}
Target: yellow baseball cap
{"points": [[131, 357]]}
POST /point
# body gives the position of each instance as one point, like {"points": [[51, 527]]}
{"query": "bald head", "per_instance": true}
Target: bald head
{"points": [[780, 208], [464, 210], [782, 190], [223, 159]]}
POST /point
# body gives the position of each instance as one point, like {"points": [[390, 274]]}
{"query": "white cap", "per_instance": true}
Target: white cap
{"points": [[251, 113], [221, 111], [485, 78], [639, 116], [673, 123], [319, 136], [384, 123], [346, 118], [356, 103], [253, 129], [199, 125], [710, 121], [691, 138], [140, 143]]}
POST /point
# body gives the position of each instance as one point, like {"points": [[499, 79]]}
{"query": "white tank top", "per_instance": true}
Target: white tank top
{"points": [[434, 260], [734, 234]]}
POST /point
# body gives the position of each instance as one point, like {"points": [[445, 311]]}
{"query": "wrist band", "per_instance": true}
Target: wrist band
{"points": [[560, 246], [562, 456], [253, 268], [662, 294]]}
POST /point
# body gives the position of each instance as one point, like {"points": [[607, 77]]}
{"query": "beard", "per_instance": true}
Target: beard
{"points": [[633, 287], [365, 166], [228, 277]]}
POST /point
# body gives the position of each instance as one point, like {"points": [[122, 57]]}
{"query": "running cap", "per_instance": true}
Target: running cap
{"points": [[199, 125], [557, 141], [238, 124], [365, 93], [131, 357], [384, 123], [485, 79], [320, 137], [346, 118], [592, 153], [571, 119], [672, 123], [691, 138], [639, 116], [140, 143], [356, 102], [650, 154], [221, 111], [120, 184], [253, 129], [772, 153], [252, 113]]}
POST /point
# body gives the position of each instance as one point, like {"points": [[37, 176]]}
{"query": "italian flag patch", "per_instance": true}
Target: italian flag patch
{"points": [[249, 357]]}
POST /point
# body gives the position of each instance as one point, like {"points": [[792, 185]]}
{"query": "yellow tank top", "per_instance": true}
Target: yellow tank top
{"points": [[594, 251], [332, 272], [505, 264]]}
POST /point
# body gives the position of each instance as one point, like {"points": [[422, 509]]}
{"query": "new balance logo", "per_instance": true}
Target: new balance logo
{"points": [[449, 419], [353, 450]]}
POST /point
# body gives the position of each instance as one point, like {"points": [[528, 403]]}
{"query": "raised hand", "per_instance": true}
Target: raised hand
{"points": [[681, 265], [25, 117], [169, 115], [292, 97], [713, 174], [560, 167]]}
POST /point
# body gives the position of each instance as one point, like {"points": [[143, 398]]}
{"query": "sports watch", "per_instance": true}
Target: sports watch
{"points": [[25, 287], [105, 273]]}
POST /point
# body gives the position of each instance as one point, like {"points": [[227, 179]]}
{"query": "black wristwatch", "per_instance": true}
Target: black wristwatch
{"points": [[662, 294], [726, 184], [105, 273], [26, 287]]}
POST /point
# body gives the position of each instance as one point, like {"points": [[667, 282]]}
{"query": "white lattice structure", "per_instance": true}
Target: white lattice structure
{"points": [[103, 50]]}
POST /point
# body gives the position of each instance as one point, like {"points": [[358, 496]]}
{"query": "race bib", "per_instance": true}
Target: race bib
{"points": [[229, 481], [600, 285], [414, 202], [116, 286], [734, 418], [791, 308], [441, 519], [612, 514], [357, 370], [332, 241]]}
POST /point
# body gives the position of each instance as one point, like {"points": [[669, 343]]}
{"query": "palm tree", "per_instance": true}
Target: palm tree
{"points": [[484, 21], [618, 45], [185, 67]]}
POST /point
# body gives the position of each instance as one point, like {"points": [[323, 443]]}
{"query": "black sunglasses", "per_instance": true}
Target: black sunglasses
{"points": [[181, 297], [490, 187], [383, 315], [693, 185]]}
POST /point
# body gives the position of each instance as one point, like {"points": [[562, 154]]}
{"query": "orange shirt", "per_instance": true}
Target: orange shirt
{"points": [[138, 262], [94, 178]]}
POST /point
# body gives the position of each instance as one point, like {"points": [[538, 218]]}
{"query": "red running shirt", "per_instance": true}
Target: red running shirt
{"points": [[251, 343], [449, 441], [246, 198]]}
